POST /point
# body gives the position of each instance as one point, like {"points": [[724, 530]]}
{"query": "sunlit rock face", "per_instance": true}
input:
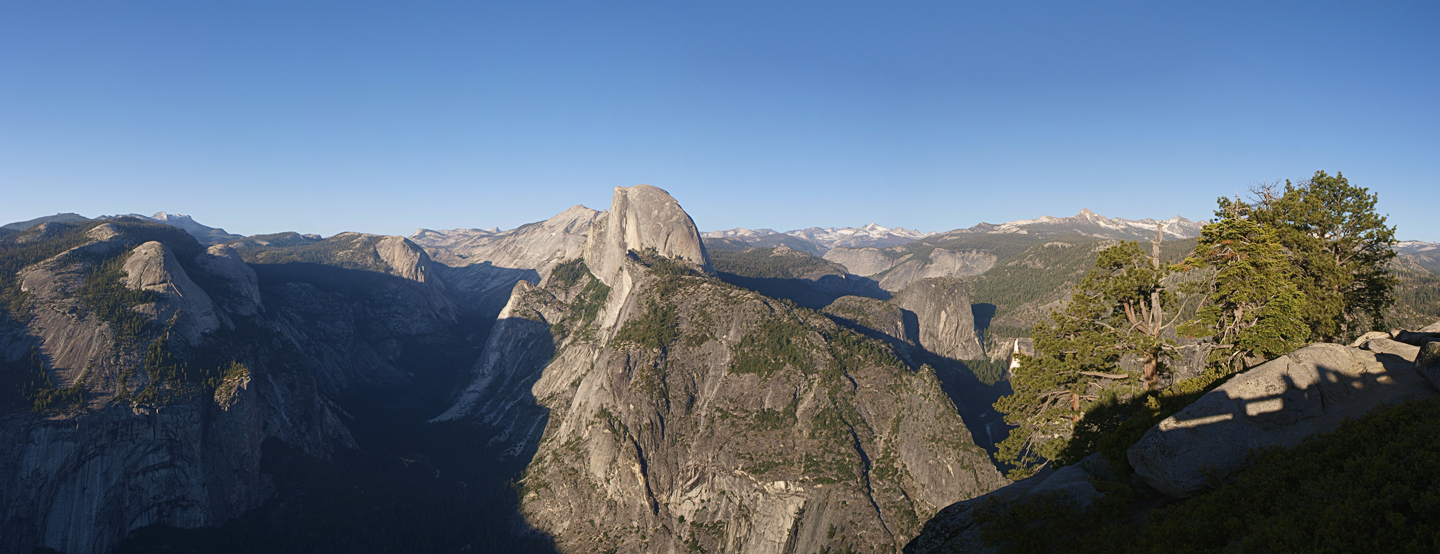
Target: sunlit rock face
{"points": [[642, 217], [647, 449], [659, 412], [947, 326], [1278, 403]]}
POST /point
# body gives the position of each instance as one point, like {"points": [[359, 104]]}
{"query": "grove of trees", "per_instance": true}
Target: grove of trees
{"points": [[1306, 262]]}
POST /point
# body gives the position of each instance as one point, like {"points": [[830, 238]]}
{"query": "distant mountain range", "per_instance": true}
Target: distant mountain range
{"points": [[1427, 254], [1087, 223], [813, 240], [205, 234], [826, 238], [1095, 225]]}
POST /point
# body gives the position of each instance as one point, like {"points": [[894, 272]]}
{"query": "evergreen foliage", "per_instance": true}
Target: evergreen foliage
{"points": [[663, 265], [1117, 309], [348, 251], [23, 249], [105, 294], [1254, 309], [1417, 296], [988, 371], [1038, 272], [24, 383], [763, 263], [657, 328], [773, 344], [568, 273], [1339, 247]]}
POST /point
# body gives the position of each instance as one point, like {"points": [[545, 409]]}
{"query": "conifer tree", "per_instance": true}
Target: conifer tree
{"points": [[1254, 308], [1340, 249], [1117, 309]]}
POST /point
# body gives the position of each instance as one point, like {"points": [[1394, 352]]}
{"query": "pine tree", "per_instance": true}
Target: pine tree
{"points": [[1340, 248], [1117, 309], [1254, 308]]}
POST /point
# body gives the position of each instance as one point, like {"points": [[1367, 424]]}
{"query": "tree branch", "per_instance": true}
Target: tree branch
{"points": [[1105, 375]]}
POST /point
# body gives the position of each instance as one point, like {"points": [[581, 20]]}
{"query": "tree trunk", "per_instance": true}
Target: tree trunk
{"points": [[1152, 370]]}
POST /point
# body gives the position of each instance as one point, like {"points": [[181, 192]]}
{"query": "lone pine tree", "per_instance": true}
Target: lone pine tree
{"points": [[1118, 309]]}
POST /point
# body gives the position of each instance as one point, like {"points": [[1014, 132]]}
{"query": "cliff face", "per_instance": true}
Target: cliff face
{"points": [[143, 372], [940, 263], [896, 268], [487, 264], [709, 432], [642, 217], [678, 412], [947, 326], [864, 262]]}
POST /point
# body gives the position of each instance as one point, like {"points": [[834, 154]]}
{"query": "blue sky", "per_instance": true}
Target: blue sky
{"points": [[324, 117]]}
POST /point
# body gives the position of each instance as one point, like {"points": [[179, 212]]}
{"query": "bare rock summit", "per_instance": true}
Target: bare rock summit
{"points": [[642, 217]]}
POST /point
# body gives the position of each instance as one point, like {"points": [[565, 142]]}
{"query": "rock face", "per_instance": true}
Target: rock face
{"points": [[1427, 363], [896, 268], [1277, 403], [942, 307], [941, 263], [861, 261], [642, 217], [663, 415], [129, 443], [752, 459], [152, 267], [225, 263], [499, 394], [955, 529], [487, 264], [529, 246]]}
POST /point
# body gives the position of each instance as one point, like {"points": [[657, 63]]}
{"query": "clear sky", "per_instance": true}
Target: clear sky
{"points": [[323, 117]]}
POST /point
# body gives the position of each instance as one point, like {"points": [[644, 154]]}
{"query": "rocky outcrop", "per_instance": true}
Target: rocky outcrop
{"points": [[404, 258], [642, 217], [519, 346], [864, 262], [939, 263], [651, 448], [530, 246], [947, 326], [673, 420], [958, 528], [486, 264], [1277, 403], [152, 267], [879, 316], [243, 287], [142, 434], [897, 267]]}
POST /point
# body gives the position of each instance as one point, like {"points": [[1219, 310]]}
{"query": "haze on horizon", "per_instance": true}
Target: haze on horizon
{"points": [[323, 117]]}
